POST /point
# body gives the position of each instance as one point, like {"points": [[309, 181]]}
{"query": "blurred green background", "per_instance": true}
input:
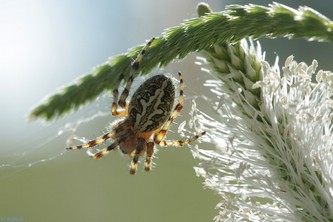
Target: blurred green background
{"points": [[47, 44]]}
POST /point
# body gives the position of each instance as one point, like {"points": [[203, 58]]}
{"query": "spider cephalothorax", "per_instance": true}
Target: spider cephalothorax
{"points": [[147, 117]]}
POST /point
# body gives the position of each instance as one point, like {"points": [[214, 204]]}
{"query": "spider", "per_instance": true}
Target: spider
{"points": [[148, 116]]}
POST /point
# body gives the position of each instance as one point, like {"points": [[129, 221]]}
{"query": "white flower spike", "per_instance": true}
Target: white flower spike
{"points": [[273, 159]]}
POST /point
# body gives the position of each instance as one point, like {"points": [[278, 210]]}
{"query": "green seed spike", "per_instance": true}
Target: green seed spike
{"points": [[196, 34]]}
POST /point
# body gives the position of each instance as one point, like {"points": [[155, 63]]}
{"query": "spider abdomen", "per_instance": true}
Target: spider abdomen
{"points": [[151, 104]]}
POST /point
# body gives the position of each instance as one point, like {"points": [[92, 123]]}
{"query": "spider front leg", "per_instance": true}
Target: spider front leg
{"points": [[134, 68], [159, 135], [114, 107]]}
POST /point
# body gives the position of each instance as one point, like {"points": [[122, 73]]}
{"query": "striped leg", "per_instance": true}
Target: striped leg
{"points": [[179, 143], [114, 108], [134, 68], [158, 137], [138, 151], [94, 142], [105, 151], [149, 154]]}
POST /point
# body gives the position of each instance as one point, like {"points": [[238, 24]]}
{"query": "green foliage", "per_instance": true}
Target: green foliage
{"points": [[196, 34]]}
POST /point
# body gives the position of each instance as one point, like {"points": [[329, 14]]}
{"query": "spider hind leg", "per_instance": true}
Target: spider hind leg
{"points": [[180, 143]]}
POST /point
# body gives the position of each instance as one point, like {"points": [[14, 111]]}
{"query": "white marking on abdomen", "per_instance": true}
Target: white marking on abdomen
{"points": [[159, 93]]}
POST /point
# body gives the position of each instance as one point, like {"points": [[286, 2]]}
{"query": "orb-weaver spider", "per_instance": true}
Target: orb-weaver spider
{"points": [[147, 117]]}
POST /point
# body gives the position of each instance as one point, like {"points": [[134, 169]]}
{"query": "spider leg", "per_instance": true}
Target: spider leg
{"points": [[158, 137], [105, 150], [140, 148], [94, 142], [114, 107], [179, 143], [134, 69], [149, 154]]}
